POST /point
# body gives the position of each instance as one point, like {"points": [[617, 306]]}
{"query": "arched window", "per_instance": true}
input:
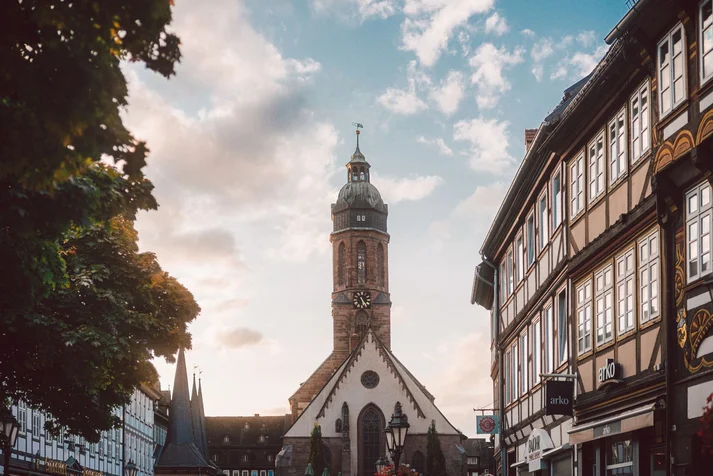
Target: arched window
{"points": [[345, 416], [418, 462], [380, 268], [361, 262], [362, 176], [342, 264], [361, 324], [370, 430]]}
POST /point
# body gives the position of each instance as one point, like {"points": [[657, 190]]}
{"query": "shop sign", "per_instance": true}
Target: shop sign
{"points": [[538, 442], [487, 424], [610, 372], [55, 467], [559, 397], [608, 429]]}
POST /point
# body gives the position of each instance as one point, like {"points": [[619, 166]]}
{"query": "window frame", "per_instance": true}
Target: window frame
{"points": [[508, 376], [519, 257], [584, 317], [548, 338], [577, 186], [702, 213], [626, 306], [701, 52], [536, 336], [668, 38], [524, 361], [645, 145], [601, 320], [649, 262], [510, 265], [531, 246], [557, 212], [516, 370], [622, 141], [562, 326], [543, 230], [601, 169]]}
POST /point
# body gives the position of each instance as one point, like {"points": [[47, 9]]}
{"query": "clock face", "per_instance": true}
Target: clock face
{"points": [[362, 300]]}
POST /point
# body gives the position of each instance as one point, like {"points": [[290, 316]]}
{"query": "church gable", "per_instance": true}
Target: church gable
{"points": [[370, 376]]}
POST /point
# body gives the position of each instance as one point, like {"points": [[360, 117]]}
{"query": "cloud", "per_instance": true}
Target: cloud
{"points": [[579, 64], [237, 337], [396, 190], [449, 93], [488, 64], [542, 49], [488, 140], [464, 41], [364, 9], [430, 24], [482, 204], [406, 101], [496, 25], [527, 32], [586, 38], [440, 143], [572, 65]]}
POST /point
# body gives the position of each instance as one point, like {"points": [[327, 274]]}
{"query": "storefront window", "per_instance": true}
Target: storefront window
{"points": [[620, 457]]}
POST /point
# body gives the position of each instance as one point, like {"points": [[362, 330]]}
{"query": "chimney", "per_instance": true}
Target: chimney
{"points": [[529, 138]]}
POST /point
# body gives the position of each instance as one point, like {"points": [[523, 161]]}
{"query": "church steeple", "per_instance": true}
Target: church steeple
{"points": [[358, 167]]}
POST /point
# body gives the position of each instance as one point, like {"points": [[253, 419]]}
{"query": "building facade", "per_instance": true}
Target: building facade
{"points": [[138, 418], [479, 454], [625, 170], [246, 446], [354, 392]]}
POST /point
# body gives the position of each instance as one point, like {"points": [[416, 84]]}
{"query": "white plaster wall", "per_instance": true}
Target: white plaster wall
{"points": [[385, 395]]}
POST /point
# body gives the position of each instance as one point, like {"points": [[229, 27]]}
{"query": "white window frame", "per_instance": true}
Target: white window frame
{"points": [[626, 291], [562, 328], [576, 186], [510, 264], [516, 370], [508, 375], [36, 423], [696, 221], [640, 122], [557, 212], [519, 259], [543, 216], [701, 31], [618, 146], [584, 317], [549, 338], [668, 40], [536, 351], [649, 277], [604, 304], [524, 377], [597, 167], [531, 238]]}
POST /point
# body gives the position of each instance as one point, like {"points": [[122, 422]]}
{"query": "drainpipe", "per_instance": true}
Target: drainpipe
{"points": [[501, 373]]}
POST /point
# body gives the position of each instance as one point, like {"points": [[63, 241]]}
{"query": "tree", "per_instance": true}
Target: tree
{"points": [[81, 311], [705, 433], [316, 450], [435, 460]]}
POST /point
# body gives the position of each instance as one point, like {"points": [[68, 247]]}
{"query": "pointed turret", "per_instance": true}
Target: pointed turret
{"points": [[204, 429], [196, 415], [181, 453]]}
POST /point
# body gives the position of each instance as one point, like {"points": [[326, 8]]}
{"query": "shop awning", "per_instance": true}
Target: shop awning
{"points": [[554, 451], [635, 419]]}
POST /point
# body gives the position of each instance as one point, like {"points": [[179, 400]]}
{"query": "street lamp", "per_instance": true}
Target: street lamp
{"points": [[10, 428], [381, 464], [396, 433], [130, 469]]}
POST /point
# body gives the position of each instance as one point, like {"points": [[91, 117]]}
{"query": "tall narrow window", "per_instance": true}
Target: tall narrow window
{"points": [[604, 305], [706, 39], [625, 292], [371, 445], [549, 340], [508, 376], [698, 231], [544, 222], [503, 282], [640, 133], [516, 371], [520, 259], [671, 70], [556, 201], [536, 350], [380, 265], [576, 181], [584, 318], [617, 146], [524, 379], [342, 264], [362, 323], [649, 277], [511, 281], [530, 239], [22, 415], [596, 167], [361, 262], [562, 328]]}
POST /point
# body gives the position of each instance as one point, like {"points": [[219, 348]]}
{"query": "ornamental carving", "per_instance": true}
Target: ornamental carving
{"points": [[705, 127], [670, 151]]}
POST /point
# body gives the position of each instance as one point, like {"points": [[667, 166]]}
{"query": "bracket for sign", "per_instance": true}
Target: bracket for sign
{"points": [[556, 376]]}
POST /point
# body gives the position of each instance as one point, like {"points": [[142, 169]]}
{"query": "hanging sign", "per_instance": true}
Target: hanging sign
{"points": [[610, 372], [487, 424], [538, 442], [559, 397]]}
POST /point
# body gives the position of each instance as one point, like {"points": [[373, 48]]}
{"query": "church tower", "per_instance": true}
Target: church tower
{"points": [[360, 259]]}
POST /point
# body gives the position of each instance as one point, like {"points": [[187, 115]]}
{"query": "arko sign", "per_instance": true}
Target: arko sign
{"points": [[559, 397]]}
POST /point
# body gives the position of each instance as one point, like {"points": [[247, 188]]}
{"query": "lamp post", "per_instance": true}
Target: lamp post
{"points": [[396, 432], [10, 428], [130, 468], [381, 464]]}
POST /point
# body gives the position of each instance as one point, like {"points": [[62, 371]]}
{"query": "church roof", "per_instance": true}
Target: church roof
{"points": [[359, 195], [181, 450]]}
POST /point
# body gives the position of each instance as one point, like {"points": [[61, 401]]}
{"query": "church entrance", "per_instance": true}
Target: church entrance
{"points": [[371, 444]]}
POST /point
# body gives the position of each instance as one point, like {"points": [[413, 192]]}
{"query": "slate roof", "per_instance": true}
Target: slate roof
{"points": [[272, 427]]}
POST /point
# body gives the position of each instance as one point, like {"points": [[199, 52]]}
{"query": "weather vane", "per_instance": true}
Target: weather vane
{"points": [[358, 126]]}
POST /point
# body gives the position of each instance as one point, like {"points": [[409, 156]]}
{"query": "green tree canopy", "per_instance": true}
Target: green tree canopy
{"points": [[435, 459]]}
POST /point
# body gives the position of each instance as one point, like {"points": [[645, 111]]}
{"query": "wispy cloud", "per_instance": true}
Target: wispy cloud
{"points": [[488, 139], [449, 93], [496, 25], [396, 190], [488, 64], [438, 142]]}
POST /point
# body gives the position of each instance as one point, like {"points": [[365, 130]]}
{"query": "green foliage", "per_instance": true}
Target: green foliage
{"points": [[435, 459], [81, 310], [316, 450]]}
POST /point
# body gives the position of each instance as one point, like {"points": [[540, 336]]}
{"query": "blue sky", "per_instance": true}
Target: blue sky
{"points": [[248, 145]]}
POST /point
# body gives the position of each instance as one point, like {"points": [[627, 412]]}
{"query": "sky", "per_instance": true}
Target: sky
{"points": [[248, 145]]}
